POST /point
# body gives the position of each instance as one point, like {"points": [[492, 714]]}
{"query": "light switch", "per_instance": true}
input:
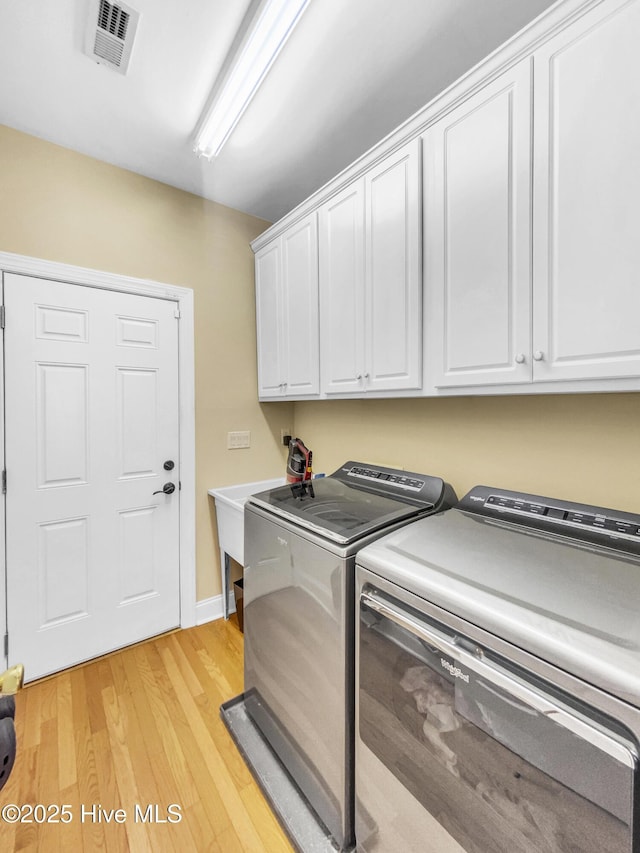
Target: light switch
{"points": [[238, 440]]}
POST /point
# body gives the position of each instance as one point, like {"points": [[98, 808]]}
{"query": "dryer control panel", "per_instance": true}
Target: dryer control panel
{"points": [[608, 527]]}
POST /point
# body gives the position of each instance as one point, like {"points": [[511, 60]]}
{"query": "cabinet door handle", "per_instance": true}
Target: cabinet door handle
{"points": [[538, 355], [359, 377], [366, 376], [520, 359]]}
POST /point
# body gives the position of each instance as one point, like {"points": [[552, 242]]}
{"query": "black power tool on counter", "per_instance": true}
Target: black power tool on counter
{"points": [[298, 462]]}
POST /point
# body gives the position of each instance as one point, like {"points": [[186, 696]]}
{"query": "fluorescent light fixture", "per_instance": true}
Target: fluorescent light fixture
{"points": [[265, 39]]}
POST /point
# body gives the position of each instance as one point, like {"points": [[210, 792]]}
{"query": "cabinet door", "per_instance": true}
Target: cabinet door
{"points": [[393, 273], [587, 197], [342, 291], [300, 354], [269, 320], [477, 236]]}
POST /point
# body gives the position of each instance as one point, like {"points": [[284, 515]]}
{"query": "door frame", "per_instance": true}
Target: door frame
{"points": [[183, 296]]}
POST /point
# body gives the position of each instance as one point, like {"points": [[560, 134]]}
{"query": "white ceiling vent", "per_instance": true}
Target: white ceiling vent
{"points": [[110, 34]]}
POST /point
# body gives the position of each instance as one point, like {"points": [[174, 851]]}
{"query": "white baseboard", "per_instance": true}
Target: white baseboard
{"points": [[209, 609]]}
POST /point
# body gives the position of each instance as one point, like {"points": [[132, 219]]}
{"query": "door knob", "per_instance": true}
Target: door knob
{"points": [[538, 355], [167, 489], [169, 465]]}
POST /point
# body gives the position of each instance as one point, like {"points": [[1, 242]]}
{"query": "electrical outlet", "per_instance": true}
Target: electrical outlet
{"points": [[285, 431], [238, 440]]}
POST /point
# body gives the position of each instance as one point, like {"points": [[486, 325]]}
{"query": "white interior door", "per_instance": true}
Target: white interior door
{"points": [[91, 416]]}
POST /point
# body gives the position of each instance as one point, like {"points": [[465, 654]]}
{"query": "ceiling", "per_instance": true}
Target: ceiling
{"points": [[350, 73]]}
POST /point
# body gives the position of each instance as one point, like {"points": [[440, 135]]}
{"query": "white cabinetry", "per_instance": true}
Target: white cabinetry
{"points": [[370, 280], [342, 291], [586, 237], [513, 301], [477, 236], [531, 201], [287, 313]]}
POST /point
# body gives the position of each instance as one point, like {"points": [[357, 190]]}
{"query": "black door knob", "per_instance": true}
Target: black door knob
{"points": [[169, 465], [167, 489]]}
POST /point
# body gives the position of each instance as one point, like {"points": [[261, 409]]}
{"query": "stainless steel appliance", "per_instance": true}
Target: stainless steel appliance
{"points": [[300, 546], [498, 672]]}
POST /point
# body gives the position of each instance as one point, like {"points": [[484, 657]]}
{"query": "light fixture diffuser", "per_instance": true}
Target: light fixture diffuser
{"points": [[265, 39]]}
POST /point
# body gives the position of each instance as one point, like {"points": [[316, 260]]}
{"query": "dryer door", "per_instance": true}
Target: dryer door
{"points": [[458, 750]]}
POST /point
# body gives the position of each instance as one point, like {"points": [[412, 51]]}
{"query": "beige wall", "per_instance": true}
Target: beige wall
{"points": [[61, 206], [581, 447]]}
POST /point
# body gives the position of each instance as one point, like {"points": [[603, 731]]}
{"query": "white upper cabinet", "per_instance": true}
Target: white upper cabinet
{"points": [[587, 198], [300, 297], [287, 313], [370, 280], [477, 199], [393, 273], [527, 220], [269, 320], [341, 250]]}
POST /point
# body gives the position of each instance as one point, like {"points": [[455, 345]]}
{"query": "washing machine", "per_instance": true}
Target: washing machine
{"points": [[301, 541], [498, 680]]}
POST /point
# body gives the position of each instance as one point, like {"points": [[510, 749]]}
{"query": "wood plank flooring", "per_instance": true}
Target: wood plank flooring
{"points": [[138, 728]]}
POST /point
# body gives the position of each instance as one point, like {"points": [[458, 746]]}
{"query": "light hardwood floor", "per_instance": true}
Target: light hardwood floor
{"points": [[139, 727]]}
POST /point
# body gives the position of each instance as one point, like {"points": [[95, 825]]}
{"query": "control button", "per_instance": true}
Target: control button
{"points": [[621, 526], [393, 478], [581, 518], [537, 509]]}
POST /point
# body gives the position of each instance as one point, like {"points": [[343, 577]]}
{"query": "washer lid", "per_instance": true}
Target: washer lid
{"points": [[570, 602], [355, 500]]}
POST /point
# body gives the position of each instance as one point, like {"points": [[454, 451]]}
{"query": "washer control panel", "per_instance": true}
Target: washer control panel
{"points": [[614, 528], [421, 490], [383, 475]]}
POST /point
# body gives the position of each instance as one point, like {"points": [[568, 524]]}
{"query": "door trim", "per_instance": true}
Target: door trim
{"points": [[24, 265]]}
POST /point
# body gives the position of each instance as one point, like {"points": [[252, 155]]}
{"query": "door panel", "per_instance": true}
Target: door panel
{"points": [[91, 413], [477, 236], [63, 563], [342, 291], [300, 288], [586, 198], [61, 431], [137, 402], [137, 554], [268, 315], [393, 273]]}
